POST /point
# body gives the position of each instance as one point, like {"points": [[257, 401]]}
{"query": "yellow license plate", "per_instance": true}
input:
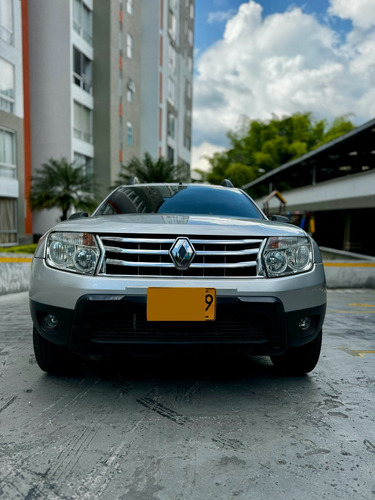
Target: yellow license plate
{"points": [[181, 304]]}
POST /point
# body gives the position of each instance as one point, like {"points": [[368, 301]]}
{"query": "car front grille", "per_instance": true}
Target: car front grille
{"points": [[134, 328], [135, 255]]}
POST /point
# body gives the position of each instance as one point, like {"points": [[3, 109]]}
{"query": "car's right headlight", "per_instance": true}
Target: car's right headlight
{"points": [[284, 256], [74, 252]]}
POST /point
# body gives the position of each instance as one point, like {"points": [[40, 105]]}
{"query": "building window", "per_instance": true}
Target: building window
{"points": [[7, 154], [6, 21], [6, 86], [188, 142], [172, 25], [82, 20], [82, 70], [130, 7], [130, 90], [171, 125], [129, 134], [190, 37], [171, 154], [82, 122], [86, 162], [188, 89], [8, 221], [129, 46], [171, 90], [172, 58]]}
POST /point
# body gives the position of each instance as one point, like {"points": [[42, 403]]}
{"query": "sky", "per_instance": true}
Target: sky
{"points": [[258, 58]]}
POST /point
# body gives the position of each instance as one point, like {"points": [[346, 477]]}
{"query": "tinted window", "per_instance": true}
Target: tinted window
{"points": [[179, 199]]}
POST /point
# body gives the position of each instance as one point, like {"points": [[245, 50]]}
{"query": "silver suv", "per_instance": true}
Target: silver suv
{"points": [[173, 265]]}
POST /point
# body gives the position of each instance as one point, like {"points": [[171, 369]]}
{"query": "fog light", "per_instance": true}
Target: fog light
{"points": [[50, 322], [306, 325]]}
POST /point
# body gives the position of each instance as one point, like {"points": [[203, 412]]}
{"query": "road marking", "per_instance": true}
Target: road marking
{"points": [[349, 312], [8, 260], [362, 305], [349, 264], [355, 352]]}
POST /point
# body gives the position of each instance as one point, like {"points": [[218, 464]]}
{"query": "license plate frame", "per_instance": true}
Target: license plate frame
{"points": [[181, 304]]}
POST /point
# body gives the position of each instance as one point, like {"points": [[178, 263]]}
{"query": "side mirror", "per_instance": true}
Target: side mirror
{"points": [[78, 215], [280, 218]]}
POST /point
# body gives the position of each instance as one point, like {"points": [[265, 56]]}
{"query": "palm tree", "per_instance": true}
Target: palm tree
{"points": [[63, 185], [148, 170]]}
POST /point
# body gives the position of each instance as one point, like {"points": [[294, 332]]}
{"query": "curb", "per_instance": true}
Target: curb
{"points": [[15, 271], [344, 274]]}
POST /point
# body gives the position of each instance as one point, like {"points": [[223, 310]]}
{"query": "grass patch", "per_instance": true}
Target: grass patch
{"points": [[19, 249]]}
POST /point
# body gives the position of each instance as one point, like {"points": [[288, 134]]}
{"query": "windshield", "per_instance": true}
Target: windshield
{"points": [[179, 199]]}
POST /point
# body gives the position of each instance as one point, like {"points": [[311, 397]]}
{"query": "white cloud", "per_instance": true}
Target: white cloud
{"points": [[282, 64], [361, 12], [199, 157]]}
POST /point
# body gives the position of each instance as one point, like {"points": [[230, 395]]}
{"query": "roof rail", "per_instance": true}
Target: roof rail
{"points": [[227, 183], [132, 180]]}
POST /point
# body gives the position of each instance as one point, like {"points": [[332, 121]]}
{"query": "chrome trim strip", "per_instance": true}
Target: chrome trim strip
{"points": [[120, 239], [125, 263]]}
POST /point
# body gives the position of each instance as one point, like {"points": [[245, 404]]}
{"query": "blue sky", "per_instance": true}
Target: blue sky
{"points": [[258, 58], [207, 31]]}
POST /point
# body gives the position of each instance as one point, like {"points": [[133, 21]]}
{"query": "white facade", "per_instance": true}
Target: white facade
{"points": [[61, 102], [12, 197]]}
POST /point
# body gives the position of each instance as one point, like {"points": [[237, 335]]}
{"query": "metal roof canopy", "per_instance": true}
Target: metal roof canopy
{"points": [[349, 154]]}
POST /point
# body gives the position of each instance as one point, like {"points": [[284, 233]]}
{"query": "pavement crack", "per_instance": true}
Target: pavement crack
{"points": [[8, 403], [162, 410]]}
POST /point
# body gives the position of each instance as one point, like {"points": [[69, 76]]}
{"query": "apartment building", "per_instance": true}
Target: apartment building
{"points": [[117, 77], [143, 83], [167, 73], [97, 82], [61, 87], [15, 218]]}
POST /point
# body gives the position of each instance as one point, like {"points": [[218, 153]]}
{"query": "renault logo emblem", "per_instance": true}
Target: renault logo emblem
{"points": [[182, 253]]}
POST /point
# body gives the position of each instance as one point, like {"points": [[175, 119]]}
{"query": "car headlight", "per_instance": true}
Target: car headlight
{"points": [[283, 256], [74, 252]]}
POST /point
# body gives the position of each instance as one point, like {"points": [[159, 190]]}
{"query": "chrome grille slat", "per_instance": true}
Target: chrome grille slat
{"points": [[226, 253], [135, 240], [136, 251], [216, 256], [126, 263]]}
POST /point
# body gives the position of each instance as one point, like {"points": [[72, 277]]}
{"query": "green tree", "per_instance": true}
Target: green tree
{"points": [[62, 184], [149, 170], [263, 146]]}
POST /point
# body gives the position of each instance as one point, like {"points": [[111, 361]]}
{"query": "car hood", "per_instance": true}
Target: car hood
{"points": [[179, 224]]}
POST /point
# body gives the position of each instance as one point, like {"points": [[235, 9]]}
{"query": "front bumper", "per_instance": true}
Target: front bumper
{"points": [[105, 323]]}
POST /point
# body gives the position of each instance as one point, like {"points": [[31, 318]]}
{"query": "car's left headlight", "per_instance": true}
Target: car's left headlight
{"points": [[283, 256], [74, 252]]}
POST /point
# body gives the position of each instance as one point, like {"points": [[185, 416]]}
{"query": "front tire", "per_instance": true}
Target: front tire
{"points": [[52, 358], [299, 360]]}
